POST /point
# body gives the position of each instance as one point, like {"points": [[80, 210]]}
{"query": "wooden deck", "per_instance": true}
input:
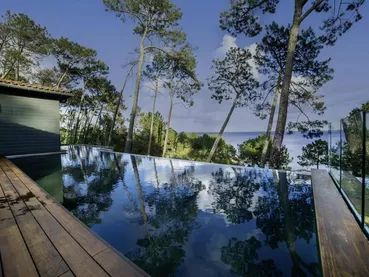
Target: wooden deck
{"points": [[344, 249], [38, 237]]}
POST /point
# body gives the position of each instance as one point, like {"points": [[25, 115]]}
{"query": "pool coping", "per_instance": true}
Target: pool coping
{"points": [[117, 260], [343, 247]]}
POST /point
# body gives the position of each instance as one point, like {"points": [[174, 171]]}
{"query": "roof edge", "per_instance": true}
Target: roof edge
{"points": [[28, 88]]}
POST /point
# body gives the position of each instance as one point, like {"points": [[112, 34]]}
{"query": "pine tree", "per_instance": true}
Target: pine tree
{"points": [[243, 17], [154, 19], [233, 79], [315, 153]]}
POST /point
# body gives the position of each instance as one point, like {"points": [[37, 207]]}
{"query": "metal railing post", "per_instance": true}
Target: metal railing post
{"points": [[363, 172], [341, 149]]}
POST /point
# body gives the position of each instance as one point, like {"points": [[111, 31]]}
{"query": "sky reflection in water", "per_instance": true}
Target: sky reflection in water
{"points": [[181, 218]]}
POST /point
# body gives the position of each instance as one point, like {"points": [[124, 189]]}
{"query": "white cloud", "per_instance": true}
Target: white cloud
{"points": [[227, 43]]}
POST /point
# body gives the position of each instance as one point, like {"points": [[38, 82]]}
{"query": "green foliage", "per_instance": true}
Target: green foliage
{"points": [[200, 147], [250, 152], [142, 133], [46, 77], [351, 161], [341, 20], [242, 16], [155, 18], [168, 215], [233, 78], [315, 153], [352, 145], [73, 60], [87, 205], [309, 73], [22, 44], [180, 77], [283, 213], [180, 145], [309, 129], [271, 54]]}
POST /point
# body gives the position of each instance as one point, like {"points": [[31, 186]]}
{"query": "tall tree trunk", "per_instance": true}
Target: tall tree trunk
{"points": [[97, 123], [83, 130], [289, 231], [140, 196], [173, 178], [270, 123], [72, 114], [153, 115], [283, 105], [289, 228], [128, 146], [88, 125], [118, 104], [168, 123], [84, 121], [6, 73], [61, 79], [17, 71], [78, 117], [156, 175], [220, 134]]}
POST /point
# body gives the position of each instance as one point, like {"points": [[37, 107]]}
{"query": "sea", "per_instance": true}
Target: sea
{"points": [[294, 142]]}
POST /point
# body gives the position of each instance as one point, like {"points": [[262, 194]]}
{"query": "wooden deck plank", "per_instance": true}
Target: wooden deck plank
{"points": [[67, 274], [75, 256], [47, 260], [344, 249], [86, 239], [112, 262], [15, 258]]}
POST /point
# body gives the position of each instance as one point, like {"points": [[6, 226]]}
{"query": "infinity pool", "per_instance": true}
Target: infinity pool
{"points": [[182, 218]]}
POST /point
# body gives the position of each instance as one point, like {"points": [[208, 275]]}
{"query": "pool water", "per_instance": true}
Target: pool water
{"points": [[182, 218]]}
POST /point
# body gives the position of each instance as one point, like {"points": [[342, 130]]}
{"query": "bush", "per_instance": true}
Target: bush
{"points": [[251, 151]]}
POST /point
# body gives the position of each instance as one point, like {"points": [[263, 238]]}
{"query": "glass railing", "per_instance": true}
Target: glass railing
{"points": [[349, 164], [366, 138]]}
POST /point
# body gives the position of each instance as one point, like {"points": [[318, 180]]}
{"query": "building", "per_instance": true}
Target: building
{"points": [[29, 118]]}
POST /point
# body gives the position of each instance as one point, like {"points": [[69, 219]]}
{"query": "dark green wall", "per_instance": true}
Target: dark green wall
{"points": [[28, 125]]}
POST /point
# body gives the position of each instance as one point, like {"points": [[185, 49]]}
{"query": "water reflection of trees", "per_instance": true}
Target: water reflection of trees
{"points": [[167, 215], [234, 192], [243, 258], [89, 181], [284, 213]]}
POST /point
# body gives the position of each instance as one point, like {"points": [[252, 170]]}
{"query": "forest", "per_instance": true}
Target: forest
{"points": [[287, 58]]}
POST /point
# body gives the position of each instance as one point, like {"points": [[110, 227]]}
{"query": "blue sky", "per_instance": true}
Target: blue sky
{"points": [[87, 22]]}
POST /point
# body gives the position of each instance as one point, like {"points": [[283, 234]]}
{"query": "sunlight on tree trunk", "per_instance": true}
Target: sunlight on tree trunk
{"points": [[153, 115], [140, 196], [61, 78], [270, 123], [78, 118], [168, 123], [283, 104], [119, 102], [98, 122], [129, 141], [89, 125], [220, 134], [156, 175]]}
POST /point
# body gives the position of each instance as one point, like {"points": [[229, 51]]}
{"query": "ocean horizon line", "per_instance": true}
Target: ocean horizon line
{"points": [[238, 132]]}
